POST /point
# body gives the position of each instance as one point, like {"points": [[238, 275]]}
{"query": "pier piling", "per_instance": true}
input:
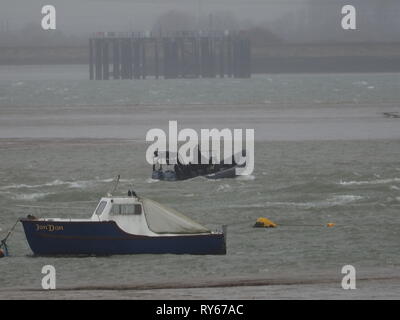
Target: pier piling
{"points": [[179, 55]]}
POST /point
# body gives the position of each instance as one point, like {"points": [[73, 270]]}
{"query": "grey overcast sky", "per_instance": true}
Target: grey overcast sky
{"points": [[75, 16], [297, 18]]}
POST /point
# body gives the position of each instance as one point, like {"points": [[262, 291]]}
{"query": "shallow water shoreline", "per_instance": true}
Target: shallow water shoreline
{"points": [[321, 289], [286, 122]]}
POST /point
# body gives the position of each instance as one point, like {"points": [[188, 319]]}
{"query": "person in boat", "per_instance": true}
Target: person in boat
{"points": [[155, 162], [132, 193]]}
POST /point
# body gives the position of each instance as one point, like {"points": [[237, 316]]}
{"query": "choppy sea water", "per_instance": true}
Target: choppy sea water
{"points": [[324, 153], [68, 86]]}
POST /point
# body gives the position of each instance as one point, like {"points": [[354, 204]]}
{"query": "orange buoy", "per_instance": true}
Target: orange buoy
{"points": [[264, 223]]}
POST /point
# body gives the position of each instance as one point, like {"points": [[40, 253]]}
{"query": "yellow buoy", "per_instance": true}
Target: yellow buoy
{"points": [[264, 223]]}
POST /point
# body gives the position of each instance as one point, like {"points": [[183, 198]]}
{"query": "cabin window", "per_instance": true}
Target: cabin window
{"points": [[138, 209], [126, 209], [101, 207]]}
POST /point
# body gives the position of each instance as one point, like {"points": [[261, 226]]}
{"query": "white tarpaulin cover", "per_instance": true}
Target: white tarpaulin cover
{"points": [[165, 220]]}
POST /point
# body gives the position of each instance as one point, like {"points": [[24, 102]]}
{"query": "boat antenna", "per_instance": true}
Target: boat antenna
{"points": [[116, 182], [133, 193]]}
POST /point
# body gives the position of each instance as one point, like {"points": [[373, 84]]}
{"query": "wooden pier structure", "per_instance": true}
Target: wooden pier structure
{"points": [[181, 55]]}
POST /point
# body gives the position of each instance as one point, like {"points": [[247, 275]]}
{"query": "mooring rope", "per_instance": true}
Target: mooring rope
{"points": [[3, 243]]}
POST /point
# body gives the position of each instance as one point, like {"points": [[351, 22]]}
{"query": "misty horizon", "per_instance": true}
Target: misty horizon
{"points": [[288, 20]]}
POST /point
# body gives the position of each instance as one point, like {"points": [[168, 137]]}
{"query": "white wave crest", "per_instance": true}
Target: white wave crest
{"points": [[78, 184], [246, 178], [151, 180], [189, 195], [224, 188], [330, 202], [30, 196], [366, 182], [29, 186]]}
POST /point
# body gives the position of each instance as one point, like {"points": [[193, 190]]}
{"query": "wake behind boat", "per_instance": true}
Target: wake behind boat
{"points": [[123, 225]]}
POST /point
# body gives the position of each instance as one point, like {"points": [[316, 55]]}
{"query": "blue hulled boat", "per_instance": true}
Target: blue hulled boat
{"points": [[123, 225]]}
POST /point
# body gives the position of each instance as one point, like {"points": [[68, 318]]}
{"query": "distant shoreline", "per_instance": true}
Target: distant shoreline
{"points": [[275, 58], [299, 65]]}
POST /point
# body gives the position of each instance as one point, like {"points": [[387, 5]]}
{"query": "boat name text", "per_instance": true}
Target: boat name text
{"points": [[49, 227]]}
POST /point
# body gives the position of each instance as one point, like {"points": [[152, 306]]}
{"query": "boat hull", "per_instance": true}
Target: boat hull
{"points": [[223, 174], [106, 238]]}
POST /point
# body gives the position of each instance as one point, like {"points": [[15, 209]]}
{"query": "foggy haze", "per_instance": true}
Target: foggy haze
{"points": [[289, 20]]}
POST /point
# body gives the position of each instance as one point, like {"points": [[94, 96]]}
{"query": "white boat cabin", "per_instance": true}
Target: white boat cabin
{"points": [[141, 216], [128, 213]]}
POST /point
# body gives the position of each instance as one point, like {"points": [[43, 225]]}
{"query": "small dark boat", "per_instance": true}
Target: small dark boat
{"points": [[123, 225], [169, 166], [393, 115]]}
